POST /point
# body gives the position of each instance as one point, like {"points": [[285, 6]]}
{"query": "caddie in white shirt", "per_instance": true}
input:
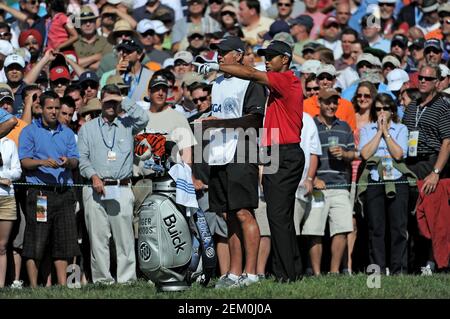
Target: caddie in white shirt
{"points": [[233, 183]]}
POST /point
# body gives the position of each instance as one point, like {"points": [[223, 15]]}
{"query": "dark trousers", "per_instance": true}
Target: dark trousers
{"points": [[380, 211], [279, 193]]}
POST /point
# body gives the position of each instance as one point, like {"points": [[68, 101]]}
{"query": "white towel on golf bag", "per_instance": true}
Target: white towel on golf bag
{"points": [[182, 175]]}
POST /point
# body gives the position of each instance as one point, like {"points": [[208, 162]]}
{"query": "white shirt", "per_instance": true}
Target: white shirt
{"points": [[310, 144], [11, 165], [335, 46]]}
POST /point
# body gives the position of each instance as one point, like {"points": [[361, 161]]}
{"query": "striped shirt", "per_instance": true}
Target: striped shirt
{"points": [[331, 170], [433, 123]]}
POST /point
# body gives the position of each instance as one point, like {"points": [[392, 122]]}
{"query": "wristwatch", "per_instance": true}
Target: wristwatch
{"points": [[436, 171], [388, 136]]}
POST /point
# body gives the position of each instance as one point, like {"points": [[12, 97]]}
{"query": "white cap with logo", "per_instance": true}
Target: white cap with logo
{"points": [[396, 78], [14, 59]]}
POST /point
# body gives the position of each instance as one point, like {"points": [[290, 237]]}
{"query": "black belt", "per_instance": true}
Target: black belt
{"points": [[122, 182], [282, 146]]}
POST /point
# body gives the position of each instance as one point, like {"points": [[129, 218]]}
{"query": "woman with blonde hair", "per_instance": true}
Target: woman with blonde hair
{"points": [[9, 171]]}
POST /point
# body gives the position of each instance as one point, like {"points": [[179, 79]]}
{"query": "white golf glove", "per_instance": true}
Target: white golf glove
{"points": [[205, 68]]}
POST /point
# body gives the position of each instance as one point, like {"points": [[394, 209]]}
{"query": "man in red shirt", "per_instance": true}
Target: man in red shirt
{"points": [[281, 138]]}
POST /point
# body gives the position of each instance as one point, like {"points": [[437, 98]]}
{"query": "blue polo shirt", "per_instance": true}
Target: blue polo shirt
{"points": [[38, 142], [4, 116]]}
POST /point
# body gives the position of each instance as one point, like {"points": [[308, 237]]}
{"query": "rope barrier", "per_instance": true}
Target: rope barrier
{"points": [[147, 186]]}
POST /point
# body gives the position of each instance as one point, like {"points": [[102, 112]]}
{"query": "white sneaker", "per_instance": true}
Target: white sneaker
{"points": [[244, 280], [17, 284], [426, 271]]}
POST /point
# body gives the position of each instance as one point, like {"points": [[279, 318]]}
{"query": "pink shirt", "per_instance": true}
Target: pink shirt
{"points": [[57, 33], [318, 18]]}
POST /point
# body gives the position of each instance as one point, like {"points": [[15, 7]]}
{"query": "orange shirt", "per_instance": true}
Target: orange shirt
{"points": [[15, 132], [345, 111]]}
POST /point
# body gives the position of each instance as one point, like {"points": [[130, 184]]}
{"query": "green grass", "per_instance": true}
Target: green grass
{"points": [[340, 287]]}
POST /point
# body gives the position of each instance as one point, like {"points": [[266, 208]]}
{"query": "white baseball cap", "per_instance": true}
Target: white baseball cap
{"points": [[14, 59], [184, 56], [396, 78], [310, 66], [6, 48], [155, 25], [326, 68], [114, 2]]}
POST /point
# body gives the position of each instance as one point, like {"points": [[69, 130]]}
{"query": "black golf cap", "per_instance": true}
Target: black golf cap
{"points": [[276, 48], [229, 43], [131, 45]]}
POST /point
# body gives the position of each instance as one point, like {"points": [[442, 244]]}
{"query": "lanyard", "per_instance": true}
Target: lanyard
{"points": [[134, 86], [103, 138], [419, 116]]}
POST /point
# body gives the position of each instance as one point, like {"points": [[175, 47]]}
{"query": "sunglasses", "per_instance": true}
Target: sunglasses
{"points": [[60, 82], [196, 37], [327, 77], [149, 33], [108, 15], [215, 1], [307, 51], [5, 34], [316, 88], [89, 84], [181, 63], [384, 108], [386, 4], [110, 104], [199, 99], [426, 78], [434, 50], [88, 21], [366, 96], [364, 64], [332, 25], [121, 34], [330, 101], [32, 2], [281, 4], [229, 13]]}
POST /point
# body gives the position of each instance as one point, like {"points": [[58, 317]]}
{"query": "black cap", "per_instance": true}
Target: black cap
{"points": [[229, 43], [417, 43], [88, 76], [303, 20], [434, 43], [401, 40], [276, 48], [276, 27], [158, 80], [132, 45]]}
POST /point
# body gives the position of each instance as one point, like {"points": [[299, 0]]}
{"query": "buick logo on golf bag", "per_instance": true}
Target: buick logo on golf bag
{"points": [[171, 223]]}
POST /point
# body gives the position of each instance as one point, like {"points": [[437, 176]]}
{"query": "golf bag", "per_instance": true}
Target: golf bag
{"points": [[170, 253]]}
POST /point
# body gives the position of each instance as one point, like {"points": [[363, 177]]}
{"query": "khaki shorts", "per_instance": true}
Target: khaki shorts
{"points": [[8, 208], [336, 208], [261, 218]]}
